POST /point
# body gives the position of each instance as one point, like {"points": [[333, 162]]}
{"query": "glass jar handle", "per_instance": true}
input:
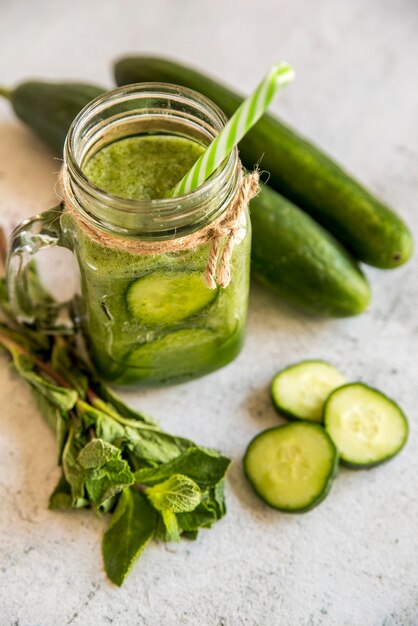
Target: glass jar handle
{"points": [[29, 304]]}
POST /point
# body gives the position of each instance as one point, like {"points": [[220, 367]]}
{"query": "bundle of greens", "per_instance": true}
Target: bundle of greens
{"points": [[114, 459]]}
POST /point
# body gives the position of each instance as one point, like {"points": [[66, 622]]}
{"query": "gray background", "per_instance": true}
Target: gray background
{"points": [[350, 562]]}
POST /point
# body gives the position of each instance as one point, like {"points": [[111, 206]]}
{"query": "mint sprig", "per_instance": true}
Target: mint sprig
{"points": [[114, 459]]}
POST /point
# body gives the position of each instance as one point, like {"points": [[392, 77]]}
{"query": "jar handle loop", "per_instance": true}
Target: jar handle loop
{"points": [[30, 302]]}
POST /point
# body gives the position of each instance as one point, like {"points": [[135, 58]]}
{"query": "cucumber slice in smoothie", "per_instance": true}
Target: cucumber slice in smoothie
{"points": [[367, 427], [162, 299], [175, 354], [300, 391], [291, 467]]}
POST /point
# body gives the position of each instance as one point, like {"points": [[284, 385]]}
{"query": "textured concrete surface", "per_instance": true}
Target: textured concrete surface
{"points": [[350, 562]]}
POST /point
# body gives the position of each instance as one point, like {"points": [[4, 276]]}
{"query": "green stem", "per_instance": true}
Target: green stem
{"points": [[97, 403], [6, 93]]}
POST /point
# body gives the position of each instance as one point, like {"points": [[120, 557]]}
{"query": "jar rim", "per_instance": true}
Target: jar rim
{"points": [[128, 210]]}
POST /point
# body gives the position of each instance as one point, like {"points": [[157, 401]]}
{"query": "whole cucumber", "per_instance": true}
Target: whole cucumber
{"points": [[49, 108], [298, 170], [301, 261]]}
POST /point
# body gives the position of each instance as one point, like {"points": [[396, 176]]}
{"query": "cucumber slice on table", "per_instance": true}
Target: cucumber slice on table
{"points": [[291, 467], [300, 391], [366, 426], [163, 298]]}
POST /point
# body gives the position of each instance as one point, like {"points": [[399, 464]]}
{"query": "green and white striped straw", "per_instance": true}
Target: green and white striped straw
{"points": [[247, 114]]}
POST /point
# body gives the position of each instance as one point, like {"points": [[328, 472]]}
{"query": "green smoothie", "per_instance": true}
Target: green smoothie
{"points": [[151, 319], [143, 168]]}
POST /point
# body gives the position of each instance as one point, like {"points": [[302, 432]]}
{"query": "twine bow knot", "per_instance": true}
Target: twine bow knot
{"points": [[218, 267]]}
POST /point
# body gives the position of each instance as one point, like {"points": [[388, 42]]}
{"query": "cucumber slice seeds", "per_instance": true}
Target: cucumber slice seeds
{"points": [[291, 467], [162, 299], [300, 391], [367, 427]]}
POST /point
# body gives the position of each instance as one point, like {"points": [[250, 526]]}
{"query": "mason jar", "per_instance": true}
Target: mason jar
{"points": [[148, 313]]}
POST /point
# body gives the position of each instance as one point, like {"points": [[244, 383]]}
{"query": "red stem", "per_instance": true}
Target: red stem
{"points": [[3, 247], [11, 345]]}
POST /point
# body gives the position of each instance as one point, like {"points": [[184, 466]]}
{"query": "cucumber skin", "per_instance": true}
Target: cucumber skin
{"points": [[50, 108], [292, 417], [363, 466], [331, 477], [298, 170], [301, 262]]}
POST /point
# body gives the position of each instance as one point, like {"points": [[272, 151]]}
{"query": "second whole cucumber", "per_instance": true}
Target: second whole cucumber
{"points": [[298, 169], [302, 262]]}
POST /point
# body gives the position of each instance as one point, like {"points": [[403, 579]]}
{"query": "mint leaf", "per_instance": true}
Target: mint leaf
{"points": [[122, 409], [218, 495], [50, 411], [4, 298], [147, 443], [205, 467], [97, 453], [171, 526], [54, 417], [74, 473], [211, 509], [106, 473], [37, 292], [178, 494], [106, 428], [64, 366], [62, 433], [154, 446], [38, 295], [107, 481], [61, 498], [192, 535], [132, 526], [29, 339], [62, 397]]}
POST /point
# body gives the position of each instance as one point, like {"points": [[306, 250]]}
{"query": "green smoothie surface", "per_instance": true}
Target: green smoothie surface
{"points": [[145, 167]]}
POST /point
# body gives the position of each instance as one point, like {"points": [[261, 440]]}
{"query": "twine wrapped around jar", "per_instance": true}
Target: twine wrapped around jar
{"points": [[221, 234]]}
